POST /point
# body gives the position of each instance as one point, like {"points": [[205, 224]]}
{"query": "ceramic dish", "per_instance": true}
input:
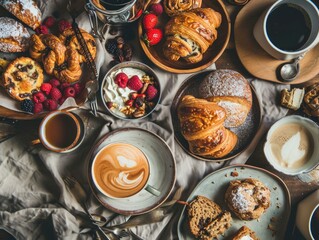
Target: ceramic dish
{"points": [[109, 89], [162, 176], [214, 186], [245, 132], [155, 53]]}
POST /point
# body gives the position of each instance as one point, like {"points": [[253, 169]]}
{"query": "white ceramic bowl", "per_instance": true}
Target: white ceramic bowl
{"points": [[313, 130]]}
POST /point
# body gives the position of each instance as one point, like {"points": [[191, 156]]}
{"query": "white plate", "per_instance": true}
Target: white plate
{"points": [[214, 187], [162, 176]]}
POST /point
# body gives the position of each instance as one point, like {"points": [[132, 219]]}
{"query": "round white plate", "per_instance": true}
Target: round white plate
{"points": [[162, 175], [214, 187]]}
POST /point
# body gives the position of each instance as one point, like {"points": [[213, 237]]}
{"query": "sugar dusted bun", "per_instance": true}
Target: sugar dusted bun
{"points": [[230, 90], [25, 10], [14, 37]]}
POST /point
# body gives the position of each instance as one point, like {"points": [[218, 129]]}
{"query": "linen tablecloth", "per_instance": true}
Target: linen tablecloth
{"points": [[32, 193]]}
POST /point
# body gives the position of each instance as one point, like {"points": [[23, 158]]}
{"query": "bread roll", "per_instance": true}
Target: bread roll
{"points": [[14, 37], [230, 90]]}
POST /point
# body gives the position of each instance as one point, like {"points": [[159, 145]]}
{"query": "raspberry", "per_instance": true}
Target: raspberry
{"points": [[129, 102], [27, 105], [69, 92], [38, 97], [49, 22], [38, 107], [157, 9], [55, 94], [50, 104], [78, 87], [55, 82], [151, 93], [64, 85], [135, 83], [62, 100], [109, 105], [63, 24], [42, 29], [46, 88], [121, 80]]}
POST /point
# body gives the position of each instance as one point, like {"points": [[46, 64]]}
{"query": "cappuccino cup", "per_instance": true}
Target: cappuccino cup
{"points": [[59, 131], [121, 170], [288, 28]]}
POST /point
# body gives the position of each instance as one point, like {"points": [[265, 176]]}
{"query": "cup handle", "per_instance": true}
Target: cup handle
{"points": [[153, 190], [36, 141]]}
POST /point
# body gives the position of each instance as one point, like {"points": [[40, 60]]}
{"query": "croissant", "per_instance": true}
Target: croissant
{"points": [[202, 126], [173, 7], [189, 34]]}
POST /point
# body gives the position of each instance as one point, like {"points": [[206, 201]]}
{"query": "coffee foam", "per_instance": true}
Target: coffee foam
{"points": [[120, 170]]}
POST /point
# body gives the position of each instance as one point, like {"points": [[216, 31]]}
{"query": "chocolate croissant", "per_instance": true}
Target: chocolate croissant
{"points": [[202, 126], [189, 34]]}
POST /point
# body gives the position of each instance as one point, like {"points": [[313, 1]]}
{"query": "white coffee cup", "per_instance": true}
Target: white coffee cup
{"points": [[308, 214], [263, 37]]}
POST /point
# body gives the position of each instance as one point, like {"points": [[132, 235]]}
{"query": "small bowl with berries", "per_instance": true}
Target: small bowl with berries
{"points": [[130, 90]]}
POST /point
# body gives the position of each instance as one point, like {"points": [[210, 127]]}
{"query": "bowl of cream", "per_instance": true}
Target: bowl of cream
{"points": [[292, 145]]}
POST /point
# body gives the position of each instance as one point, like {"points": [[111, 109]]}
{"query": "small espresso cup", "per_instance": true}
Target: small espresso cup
{"points": [[307, 217], [121, 170], [288, 28], [59, 131]]}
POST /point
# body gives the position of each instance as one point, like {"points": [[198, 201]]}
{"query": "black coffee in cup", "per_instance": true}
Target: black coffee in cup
{"points": [[314, 224], [288, 27]]}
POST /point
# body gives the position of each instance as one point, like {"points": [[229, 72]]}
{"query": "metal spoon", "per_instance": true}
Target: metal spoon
{"points": [[289, 71]]}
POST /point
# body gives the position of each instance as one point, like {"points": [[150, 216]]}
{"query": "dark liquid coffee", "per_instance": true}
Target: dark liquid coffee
{"points": [[314, 224], [288, 27], [61, 131]]}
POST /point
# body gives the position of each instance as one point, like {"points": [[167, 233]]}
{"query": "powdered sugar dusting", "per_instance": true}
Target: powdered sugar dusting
{"points": [[11, 28], [26, 4], [241, 200]]}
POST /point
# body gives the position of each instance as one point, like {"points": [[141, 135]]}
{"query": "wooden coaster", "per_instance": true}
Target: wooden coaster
{"points": [[258, 62]]}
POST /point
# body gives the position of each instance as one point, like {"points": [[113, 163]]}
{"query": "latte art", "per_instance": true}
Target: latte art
{"points": [[120, 170]]}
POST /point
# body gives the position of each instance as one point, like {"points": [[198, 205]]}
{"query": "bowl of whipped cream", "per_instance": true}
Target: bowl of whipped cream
{"points": [[130, 90], [292, 145]]}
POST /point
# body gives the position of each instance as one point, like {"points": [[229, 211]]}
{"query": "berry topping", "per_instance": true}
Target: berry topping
{"points": [[50, 104], [135, 83], [64, 85], [149, 21], [78, 87], [49, 22], [27, 105], [121, 80], [38, 107], [69, 92], [55, 82], [157, 8], [46, 88], [63, 24], [151, 93], [129, 102], [55, 94], [139, 102], [38, 97], [42, 29], [109, 105], [62, 100]]}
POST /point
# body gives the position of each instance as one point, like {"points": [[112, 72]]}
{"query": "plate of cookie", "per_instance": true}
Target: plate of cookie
{"points": [[215, 114], [234, 202], [188, 37]]}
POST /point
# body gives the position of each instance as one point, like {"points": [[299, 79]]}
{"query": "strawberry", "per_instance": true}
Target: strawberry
{"points": [[149, 21], [157, 8], [135, 83], [153, 36], [121, 80]]}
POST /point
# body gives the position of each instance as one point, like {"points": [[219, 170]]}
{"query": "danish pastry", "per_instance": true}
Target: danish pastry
{"points": [[69, 39], [230, 90], [22, 78], [14, 37], [189, 34], [202, 126], [248, 198], [245, 233], [173, 7], [25, 10]]}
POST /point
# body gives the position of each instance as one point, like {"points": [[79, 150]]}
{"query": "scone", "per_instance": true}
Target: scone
{"points": [[248, 198], [206, 219], [22, 78], [230, 90], [14, 37], [25, 10], [245, 233]]}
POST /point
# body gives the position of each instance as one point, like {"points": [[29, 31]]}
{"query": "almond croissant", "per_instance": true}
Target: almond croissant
{"points": [[202, 125], [189, 34]]}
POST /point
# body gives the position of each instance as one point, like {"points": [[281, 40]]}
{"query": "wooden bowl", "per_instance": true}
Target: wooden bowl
{"points": [[155, 53]]}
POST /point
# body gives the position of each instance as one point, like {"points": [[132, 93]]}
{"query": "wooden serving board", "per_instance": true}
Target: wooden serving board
{"points": [[257, 61]]}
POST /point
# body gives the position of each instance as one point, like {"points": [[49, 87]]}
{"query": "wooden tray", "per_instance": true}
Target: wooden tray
{"points": [[258, 62]]}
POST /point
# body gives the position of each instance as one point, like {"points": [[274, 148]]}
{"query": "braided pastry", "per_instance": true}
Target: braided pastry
{"points": [[69, 39], [63, 63], [189, 34], [202, 126], [173, 7]]}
